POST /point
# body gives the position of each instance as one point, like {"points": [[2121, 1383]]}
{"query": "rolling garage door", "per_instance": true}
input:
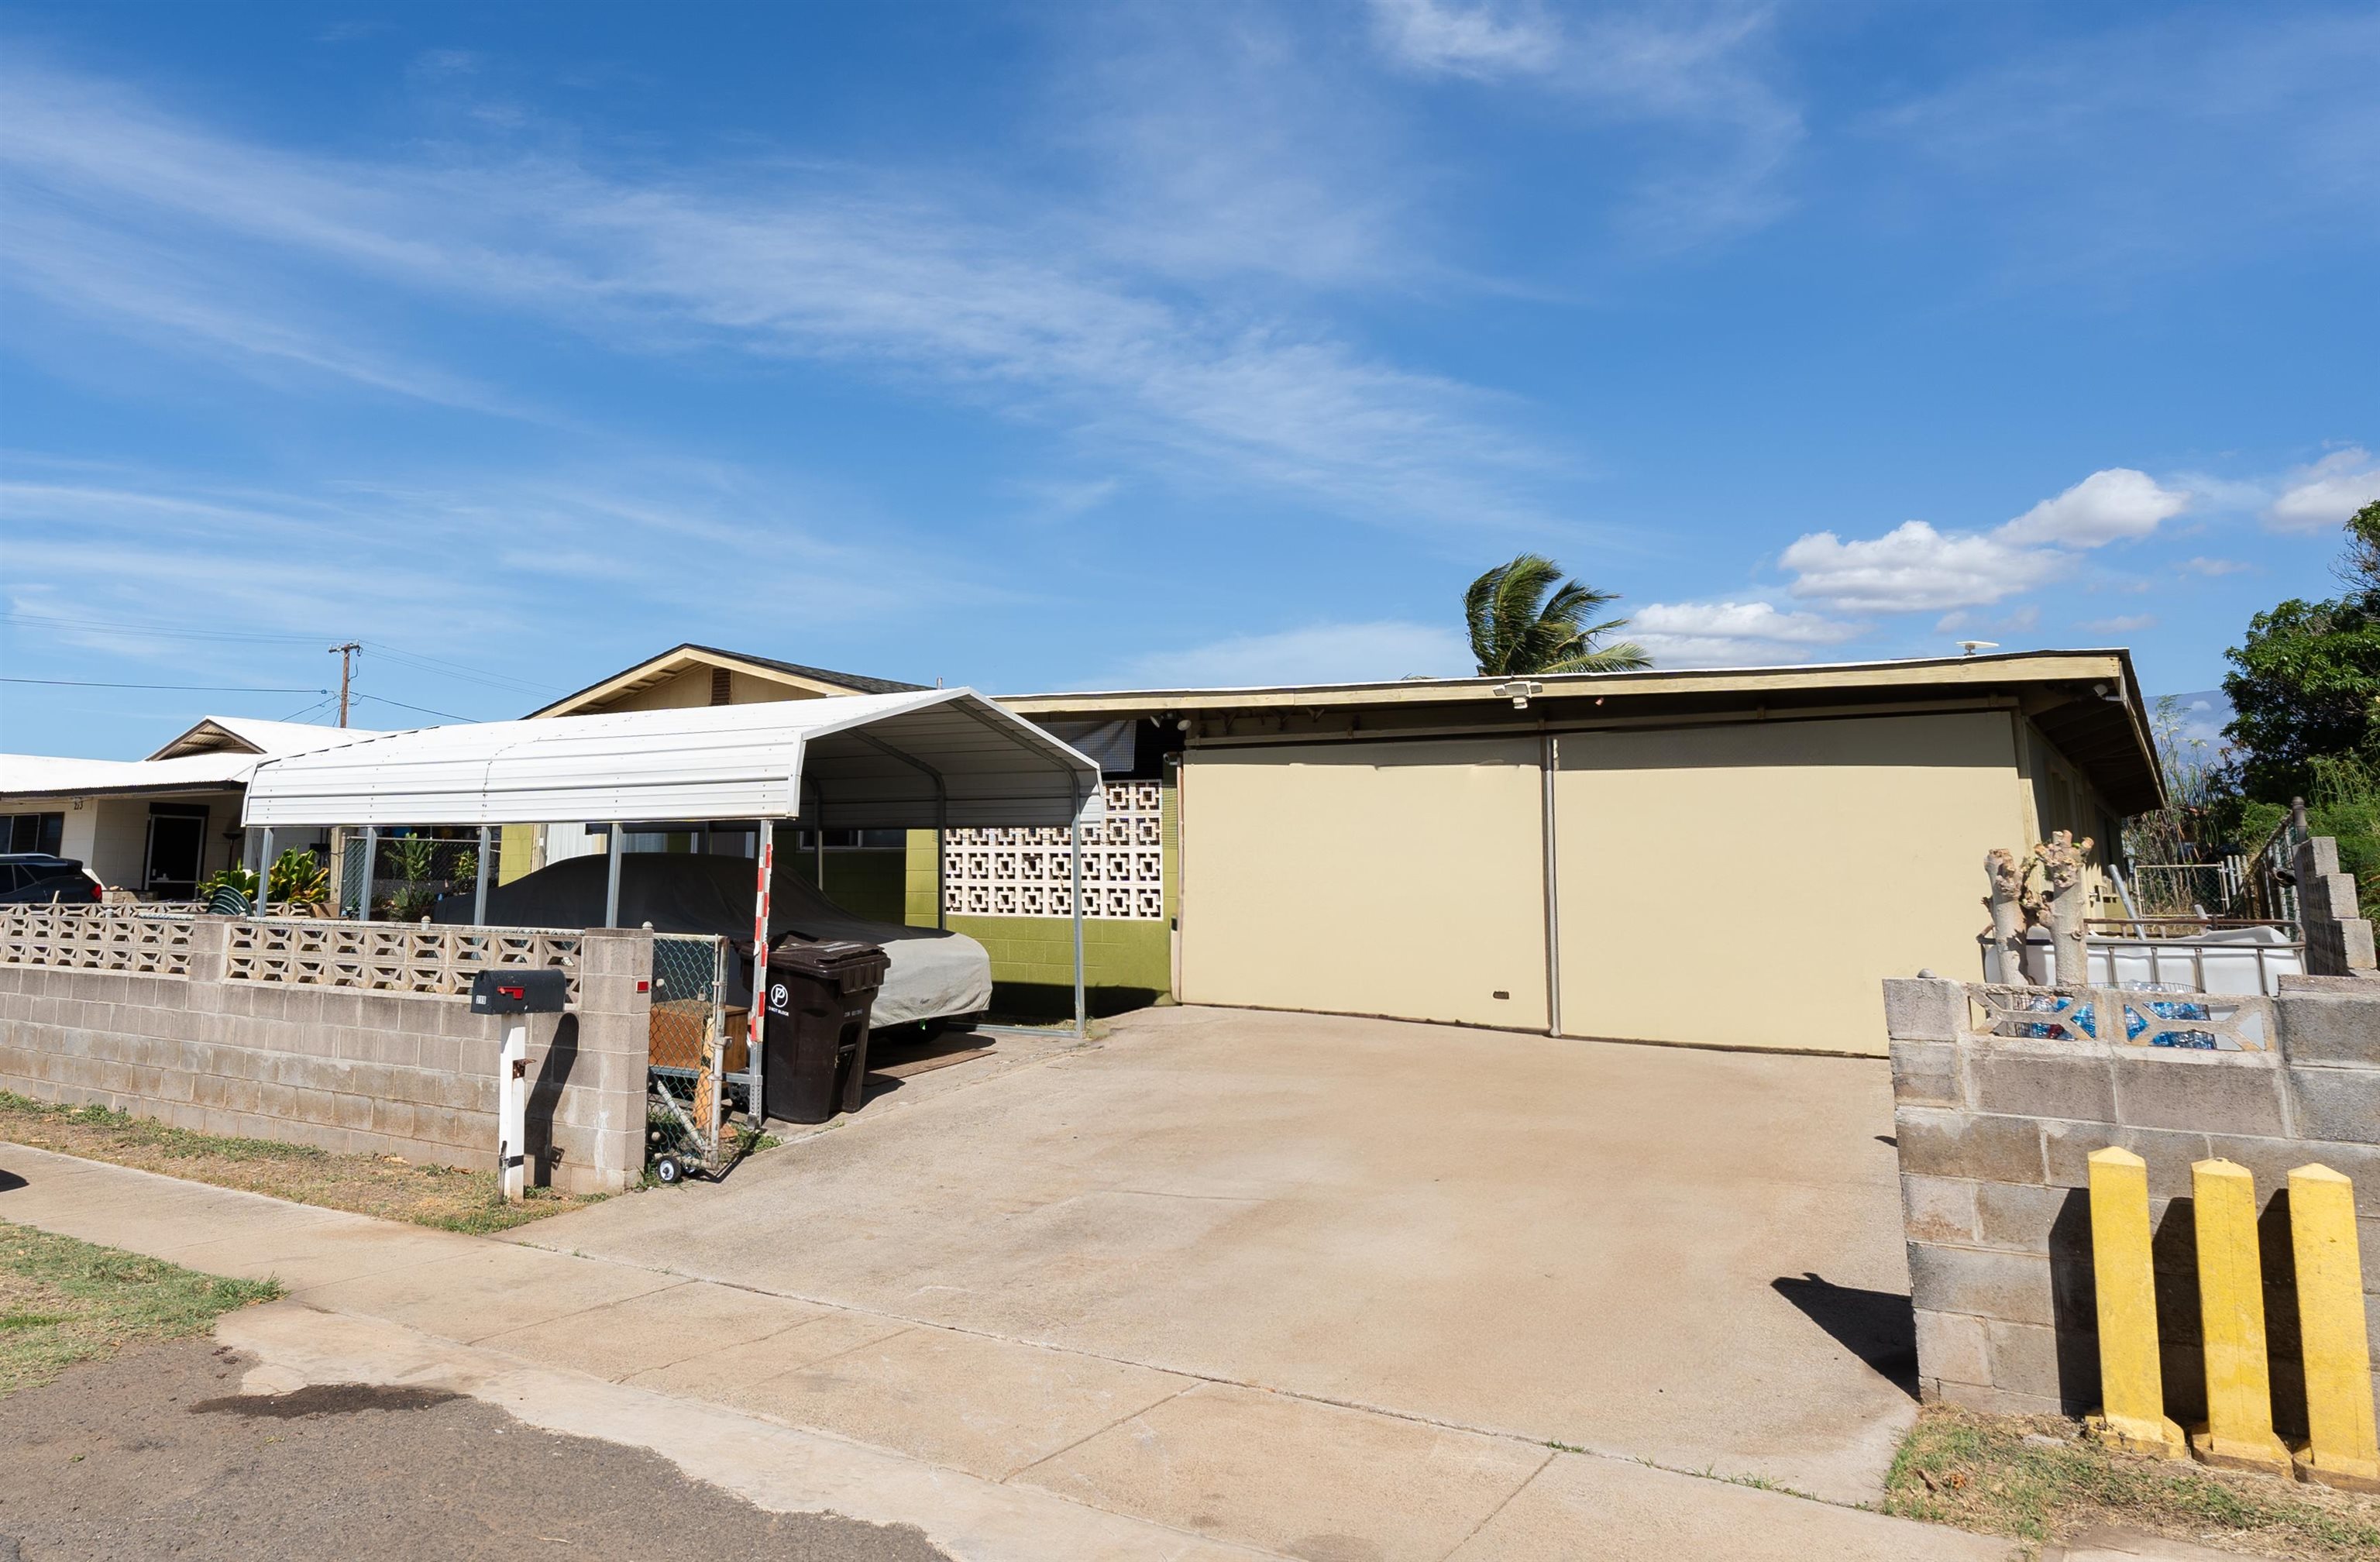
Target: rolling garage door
{"points": [[1391, 878], [1750, 885]]}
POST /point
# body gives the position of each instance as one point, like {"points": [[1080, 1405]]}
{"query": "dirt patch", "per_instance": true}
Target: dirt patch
{"points": [[63, 1301], [2037, 1479], [386, 1186], [324, 1399], [101, 1464]]}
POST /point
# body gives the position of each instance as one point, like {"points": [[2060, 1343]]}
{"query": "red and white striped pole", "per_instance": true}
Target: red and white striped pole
{"points": [[767, 854]]}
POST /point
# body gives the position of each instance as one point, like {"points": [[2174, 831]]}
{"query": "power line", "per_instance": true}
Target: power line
{"points": [[402, 705], [302, 711], [44, 620], [184, 688], [456, 669], [394, 653]]}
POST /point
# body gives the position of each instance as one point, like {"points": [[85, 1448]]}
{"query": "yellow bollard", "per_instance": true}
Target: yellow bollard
{"points": [[2341, 1451], [2131, 1381], [2239, 1432]]}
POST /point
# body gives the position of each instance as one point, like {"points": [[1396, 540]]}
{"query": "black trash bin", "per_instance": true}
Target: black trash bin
{"points": [[815, 1033]]}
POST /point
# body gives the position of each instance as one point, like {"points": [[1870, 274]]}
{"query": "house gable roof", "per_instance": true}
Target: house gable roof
{"points": [[245, 734], [679, 659]]}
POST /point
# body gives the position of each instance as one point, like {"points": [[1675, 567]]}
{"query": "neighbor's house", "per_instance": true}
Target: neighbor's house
{"points": [[1730, 856], [159, 826]]}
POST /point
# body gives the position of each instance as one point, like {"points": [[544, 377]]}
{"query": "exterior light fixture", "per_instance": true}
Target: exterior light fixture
{"points": [[1519, 690]]}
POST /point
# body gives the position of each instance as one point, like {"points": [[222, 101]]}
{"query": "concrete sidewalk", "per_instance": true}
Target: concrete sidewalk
{"points": [[996, 1448]]}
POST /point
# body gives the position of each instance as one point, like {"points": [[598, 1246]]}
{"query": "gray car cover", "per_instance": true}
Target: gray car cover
{"points": [[933, 974]]}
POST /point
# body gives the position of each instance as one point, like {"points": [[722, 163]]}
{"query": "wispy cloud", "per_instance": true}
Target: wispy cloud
{"points": [[2322, 495], [2199, 134], [1699, 72], [943, 295], [1479, 40], [1718, 634], [497, 562]]}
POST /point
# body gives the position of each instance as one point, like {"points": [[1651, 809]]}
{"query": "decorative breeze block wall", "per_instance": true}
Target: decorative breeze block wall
{"points": [[1026, 873]]}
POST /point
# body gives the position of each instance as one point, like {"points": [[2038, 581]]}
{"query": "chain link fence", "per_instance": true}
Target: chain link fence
{"points": [[410, 873], [692, 1050]]}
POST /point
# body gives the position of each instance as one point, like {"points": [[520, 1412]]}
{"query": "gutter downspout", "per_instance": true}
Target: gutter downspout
{"points": [[1549, 762]]}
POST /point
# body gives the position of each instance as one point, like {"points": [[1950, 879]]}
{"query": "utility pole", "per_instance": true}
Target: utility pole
{"points": [[344, 653]]}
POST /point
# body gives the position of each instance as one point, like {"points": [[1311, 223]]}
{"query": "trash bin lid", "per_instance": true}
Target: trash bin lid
{"points": [[826, 956]]}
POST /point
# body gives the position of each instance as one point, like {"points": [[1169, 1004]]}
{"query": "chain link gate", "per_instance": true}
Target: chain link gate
{"points": [[690, 1057]]}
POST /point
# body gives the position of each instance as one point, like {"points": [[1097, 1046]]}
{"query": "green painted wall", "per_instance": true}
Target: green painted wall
{"points": [[867, 884], [1126, 965]]}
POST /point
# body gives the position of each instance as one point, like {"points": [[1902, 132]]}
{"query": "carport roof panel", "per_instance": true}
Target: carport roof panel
{"points": [[860, 762]]}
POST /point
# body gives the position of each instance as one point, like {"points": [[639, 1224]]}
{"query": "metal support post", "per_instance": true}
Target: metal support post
{"points": [[766, 853], [511, 1108], [943, 862], [480, 892], [612, 877], [372, 855], [263, 872], [1075, 867]]}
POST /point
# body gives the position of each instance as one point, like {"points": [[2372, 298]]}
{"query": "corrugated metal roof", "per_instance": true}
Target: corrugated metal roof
{"points": [[219, 752], [849, 762]]}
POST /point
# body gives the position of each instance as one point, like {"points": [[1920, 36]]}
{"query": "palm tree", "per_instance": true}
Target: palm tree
{"points": [[1516, 631]]}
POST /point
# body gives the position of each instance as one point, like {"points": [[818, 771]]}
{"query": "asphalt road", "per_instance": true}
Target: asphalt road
{"points": [[154, 1455]]}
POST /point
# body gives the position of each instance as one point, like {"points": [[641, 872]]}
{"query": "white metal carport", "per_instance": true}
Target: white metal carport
{"points": [[924, 759]]}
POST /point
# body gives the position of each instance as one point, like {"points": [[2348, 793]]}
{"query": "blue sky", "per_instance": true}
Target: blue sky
{"points": [[1048, 347]]}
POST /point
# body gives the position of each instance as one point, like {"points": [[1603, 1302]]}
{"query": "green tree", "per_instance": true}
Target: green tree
{"points": [[1524, 618], [2307, 686]]}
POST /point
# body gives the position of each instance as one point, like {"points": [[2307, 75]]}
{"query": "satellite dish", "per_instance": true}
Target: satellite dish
{"points": [[1972, 646]]}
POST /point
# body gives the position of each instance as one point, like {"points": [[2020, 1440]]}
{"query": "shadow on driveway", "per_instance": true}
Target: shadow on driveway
{"points": [[1879, 1327]]}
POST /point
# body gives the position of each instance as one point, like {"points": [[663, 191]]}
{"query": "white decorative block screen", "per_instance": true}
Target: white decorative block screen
{"points": [[1023, 873]]}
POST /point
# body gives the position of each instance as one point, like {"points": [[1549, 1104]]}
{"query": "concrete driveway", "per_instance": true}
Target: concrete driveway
{"points": [[1686, 1257]]}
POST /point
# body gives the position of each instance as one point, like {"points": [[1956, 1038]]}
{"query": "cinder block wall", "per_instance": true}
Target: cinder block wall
{"points": [[380, 1073], [1994, 1137]]}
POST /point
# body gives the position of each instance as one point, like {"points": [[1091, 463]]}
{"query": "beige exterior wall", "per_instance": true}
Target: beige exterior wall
{"points": [[1751, 885], [1395, 878]]}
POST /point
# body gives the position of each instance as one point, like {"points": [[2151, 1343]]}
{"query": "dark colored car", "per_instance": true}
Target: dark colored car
{"points": [[36, 878]]}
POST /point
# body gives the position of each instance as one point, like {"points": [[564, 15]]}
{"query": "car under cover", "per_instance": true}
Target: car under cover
{"points": [[933, 975]]}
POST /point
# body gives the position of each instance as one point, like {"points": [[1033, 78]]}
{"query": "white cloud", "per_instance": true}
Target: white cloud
{"points": [[2326, 492], [2128, 623], [1913, 569], [1480, 41], [2212, 567], [2106, 507], [1709, 634], [1318, 654]]}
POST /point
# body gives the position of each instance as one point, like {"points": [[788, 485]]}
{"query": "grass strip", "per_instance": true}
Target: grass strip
{"points": [[386, 1186], [64, 1301], [2037, 1479]]}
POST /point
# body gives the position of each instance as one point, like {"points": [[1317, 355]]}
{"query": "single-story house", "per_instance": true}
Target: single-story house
{"points": [[160, 825], [1727, 857]]}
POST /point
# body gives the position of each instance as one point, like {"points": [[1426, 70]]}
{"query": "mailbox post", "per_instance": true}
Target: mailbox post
{"points": [[515, 993]]}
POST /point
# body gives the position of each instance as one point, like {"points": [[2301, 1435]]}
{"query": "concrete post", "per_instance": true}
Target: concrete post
{"points": [[2337, 1352], [2239, 1432], [2131, 1379]]}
